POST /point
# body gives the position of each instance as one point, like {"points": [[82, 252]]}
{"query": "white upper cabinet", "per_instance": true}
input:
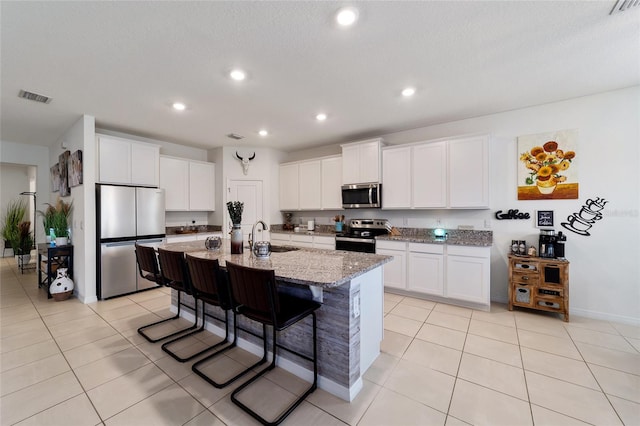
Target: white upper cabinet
{"points": [[332, 183], [429, 175], [127, 162], [396, 178], [202, 177], [189, 185], [145, 164], [289, 187], [311, 184], [174, 179], [310, 178], [361, 161], [435, 175], [469, 172]]}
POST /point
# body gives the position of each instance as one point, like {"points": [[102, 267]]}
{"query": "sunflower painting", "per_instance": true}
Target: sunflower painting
{"points": [[547, 167]]}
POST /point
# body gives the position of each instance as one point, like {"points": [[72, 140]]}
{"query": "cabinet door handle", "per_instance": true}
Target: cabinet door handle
{"points": [[525, 278]]}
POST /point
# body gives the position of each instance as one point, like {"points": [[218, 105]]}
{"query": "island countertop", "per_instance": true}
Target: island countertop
{"points": [[306, 266]]}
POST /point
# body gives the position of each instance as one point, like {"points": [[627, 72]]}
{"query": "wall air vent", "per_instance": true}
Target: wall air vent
{"points": [[622, 5], [235, 136], [34, 97]]}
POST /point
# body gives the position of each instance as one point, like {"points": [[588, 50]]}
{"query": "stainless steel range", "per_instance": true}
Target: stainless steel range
{"points": [[362, 234]]}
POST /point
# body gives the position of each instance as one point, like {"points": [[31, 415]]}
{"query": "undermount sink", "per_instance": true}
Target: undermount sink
{"points": [[283, 249]]}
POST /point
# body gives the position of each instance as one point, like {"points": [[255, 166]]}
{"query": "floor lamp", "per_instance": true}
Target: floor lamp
{"points": [[34, 215]]}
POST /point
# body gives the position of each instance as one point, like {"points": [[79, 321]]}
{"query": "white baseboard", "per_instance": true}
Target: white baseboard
{"points": [[603, 316]]}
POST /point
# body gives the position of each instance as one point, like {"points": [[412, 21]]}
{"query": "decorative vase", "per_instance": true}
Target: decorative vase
{"points": [[61, 241], [236, 239], [62, 287], [546, 187]]}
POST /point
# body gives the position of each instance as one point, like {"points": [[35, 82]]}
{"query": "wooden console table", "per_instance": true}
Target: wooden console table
{"points": [[50, 258], [539, 283]]}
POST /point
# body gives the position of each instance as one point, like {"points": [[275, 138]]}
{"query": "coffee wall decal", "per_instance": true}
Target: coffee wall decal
{"points": [[582, 221], [512, 214]]}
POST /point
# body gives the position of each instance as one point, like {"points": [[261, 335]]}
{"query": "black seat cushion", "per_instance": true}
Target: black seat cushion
{"points": [[292, 310]]}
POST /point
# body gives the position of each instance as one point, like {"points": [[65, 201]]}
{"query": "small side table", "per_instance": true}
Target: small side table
{"points": [[50, 259]]}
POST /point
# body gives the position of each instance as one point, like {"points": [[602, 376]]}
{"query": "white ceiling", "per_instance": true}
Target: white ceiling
{"points": [[126, 62]]}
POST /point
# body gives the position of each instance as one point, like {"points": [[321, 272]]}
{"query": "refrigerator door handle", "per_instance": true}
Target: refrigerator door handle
{"points": [[119, 244], [150, 241]]}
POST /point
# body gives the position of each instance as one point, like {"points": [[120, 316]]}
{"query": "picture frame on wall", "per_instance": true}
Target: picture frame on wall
{"points": [[63, 161], [544, 219], [75, 169], [55, 178]]}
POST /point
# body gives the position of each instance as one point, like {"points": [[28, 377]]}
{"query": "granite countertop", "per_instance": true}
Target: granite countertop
{"points": [[454, 237], [196, 229], [306, 266]]}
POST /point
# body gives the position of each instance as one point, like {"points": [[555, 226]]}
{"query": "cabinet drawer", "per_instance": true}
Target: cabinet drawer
{"points": [[525, 279], [548, 292], [391, 245], [483, 252], [551, 304], [522, 295], [426, 248], [525, 265]]}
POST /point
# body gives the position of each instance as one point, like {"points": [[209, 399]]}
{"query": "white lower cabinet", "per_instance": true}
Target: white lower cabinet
{"points": [[321, 242], [395, 272], [447, 272], [468, 275], [426, 268], [303, 240]]}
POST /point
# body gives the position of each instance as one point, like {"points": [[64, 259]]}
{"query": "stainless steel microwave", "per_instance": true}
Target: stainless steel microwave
{"points": [[362, 196]]}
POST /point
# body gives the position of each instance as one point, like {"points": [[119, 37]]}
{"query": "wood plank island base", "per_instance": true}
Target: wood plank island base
{"points": [[350, 322]]}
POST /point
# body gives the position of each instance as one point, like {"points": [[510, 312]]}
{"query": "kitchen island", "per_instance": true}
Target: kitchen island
{"points": [[350, 322]]}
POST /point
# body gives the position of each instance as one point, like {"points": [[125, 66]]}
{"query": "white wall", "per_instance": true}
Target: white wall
{"points": [[604, 267], [264, 167], [30, 155], [14, 179], [81, 136]]}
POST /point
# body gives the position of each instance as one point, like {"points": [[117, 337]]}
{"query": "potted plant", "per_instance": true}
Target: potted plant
{"points": [[58, 219], [14, 214], [23, 243], [47, 220], [235, 214]]}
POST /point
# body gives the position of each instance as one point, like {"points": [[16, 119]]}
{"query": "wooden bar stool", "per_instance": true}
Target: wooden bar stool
{"points": [[211, 285], [149, 270], [255, 295]]}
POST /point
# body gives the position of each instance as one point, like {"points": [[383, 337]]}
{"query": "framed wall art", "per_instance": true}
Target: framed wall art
{"points": [[75, 169], [55, 178], [544, 218], [548, 166], [63, 161]]}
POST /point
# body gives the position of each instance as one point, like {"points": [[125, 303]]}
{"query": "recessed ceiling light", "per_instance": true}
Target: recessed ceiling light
{"points": [[321, 117], [238, 75], [263, 132], [347, 16], [409, 91], [178, 106]]}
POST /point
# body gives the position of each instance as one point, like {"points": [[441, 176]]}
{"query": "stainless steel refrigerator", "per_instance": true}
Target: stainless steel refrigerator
{"points": [[125, 215]]}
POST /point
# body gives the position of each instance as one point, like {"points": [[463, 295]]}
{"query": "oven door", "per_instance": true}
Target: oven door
{"points": [[362, 245]]}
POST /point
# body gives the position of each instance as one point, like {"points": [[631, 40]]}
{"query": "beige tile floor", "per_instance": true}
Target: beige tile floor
{"points": [[66, 363]]}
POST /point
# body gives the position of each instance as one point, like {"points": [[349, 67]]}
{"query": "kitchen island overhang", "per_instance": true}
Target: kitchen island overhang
{"points": [[350, 321]]}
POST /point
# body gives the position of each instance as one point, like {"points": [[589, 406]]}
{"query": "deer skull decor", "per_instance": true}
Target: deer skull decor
{"points": [[245, 162]]}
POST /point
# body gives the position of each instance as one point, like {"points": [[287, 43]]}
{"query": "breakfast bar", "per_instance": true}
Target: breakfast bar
{"points": [[350, 322]]}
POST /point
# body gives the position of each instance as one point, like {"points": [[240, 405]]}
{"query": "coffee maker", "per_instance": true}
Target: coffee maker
{"points": [[559, 245], [547, 243]]}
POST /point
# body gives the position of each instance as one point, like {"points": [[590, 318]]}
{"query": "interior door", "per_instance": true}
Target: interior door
{"points": [[250, 193]]}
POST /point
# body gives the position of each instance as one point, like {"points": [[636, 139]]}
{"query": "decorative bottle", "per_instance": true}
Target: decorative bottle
{"points": [[236, 239]]}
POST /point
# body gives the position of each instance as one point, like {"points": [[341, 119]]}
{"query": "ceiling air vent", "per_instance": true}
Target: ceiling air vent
{"points": [[235, 136], [34, 97], [622, 5]]}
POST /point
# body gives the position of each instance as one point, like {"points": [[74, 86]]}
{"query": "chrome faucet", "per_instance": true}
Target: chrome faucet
{"points": [[253, 232]]}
